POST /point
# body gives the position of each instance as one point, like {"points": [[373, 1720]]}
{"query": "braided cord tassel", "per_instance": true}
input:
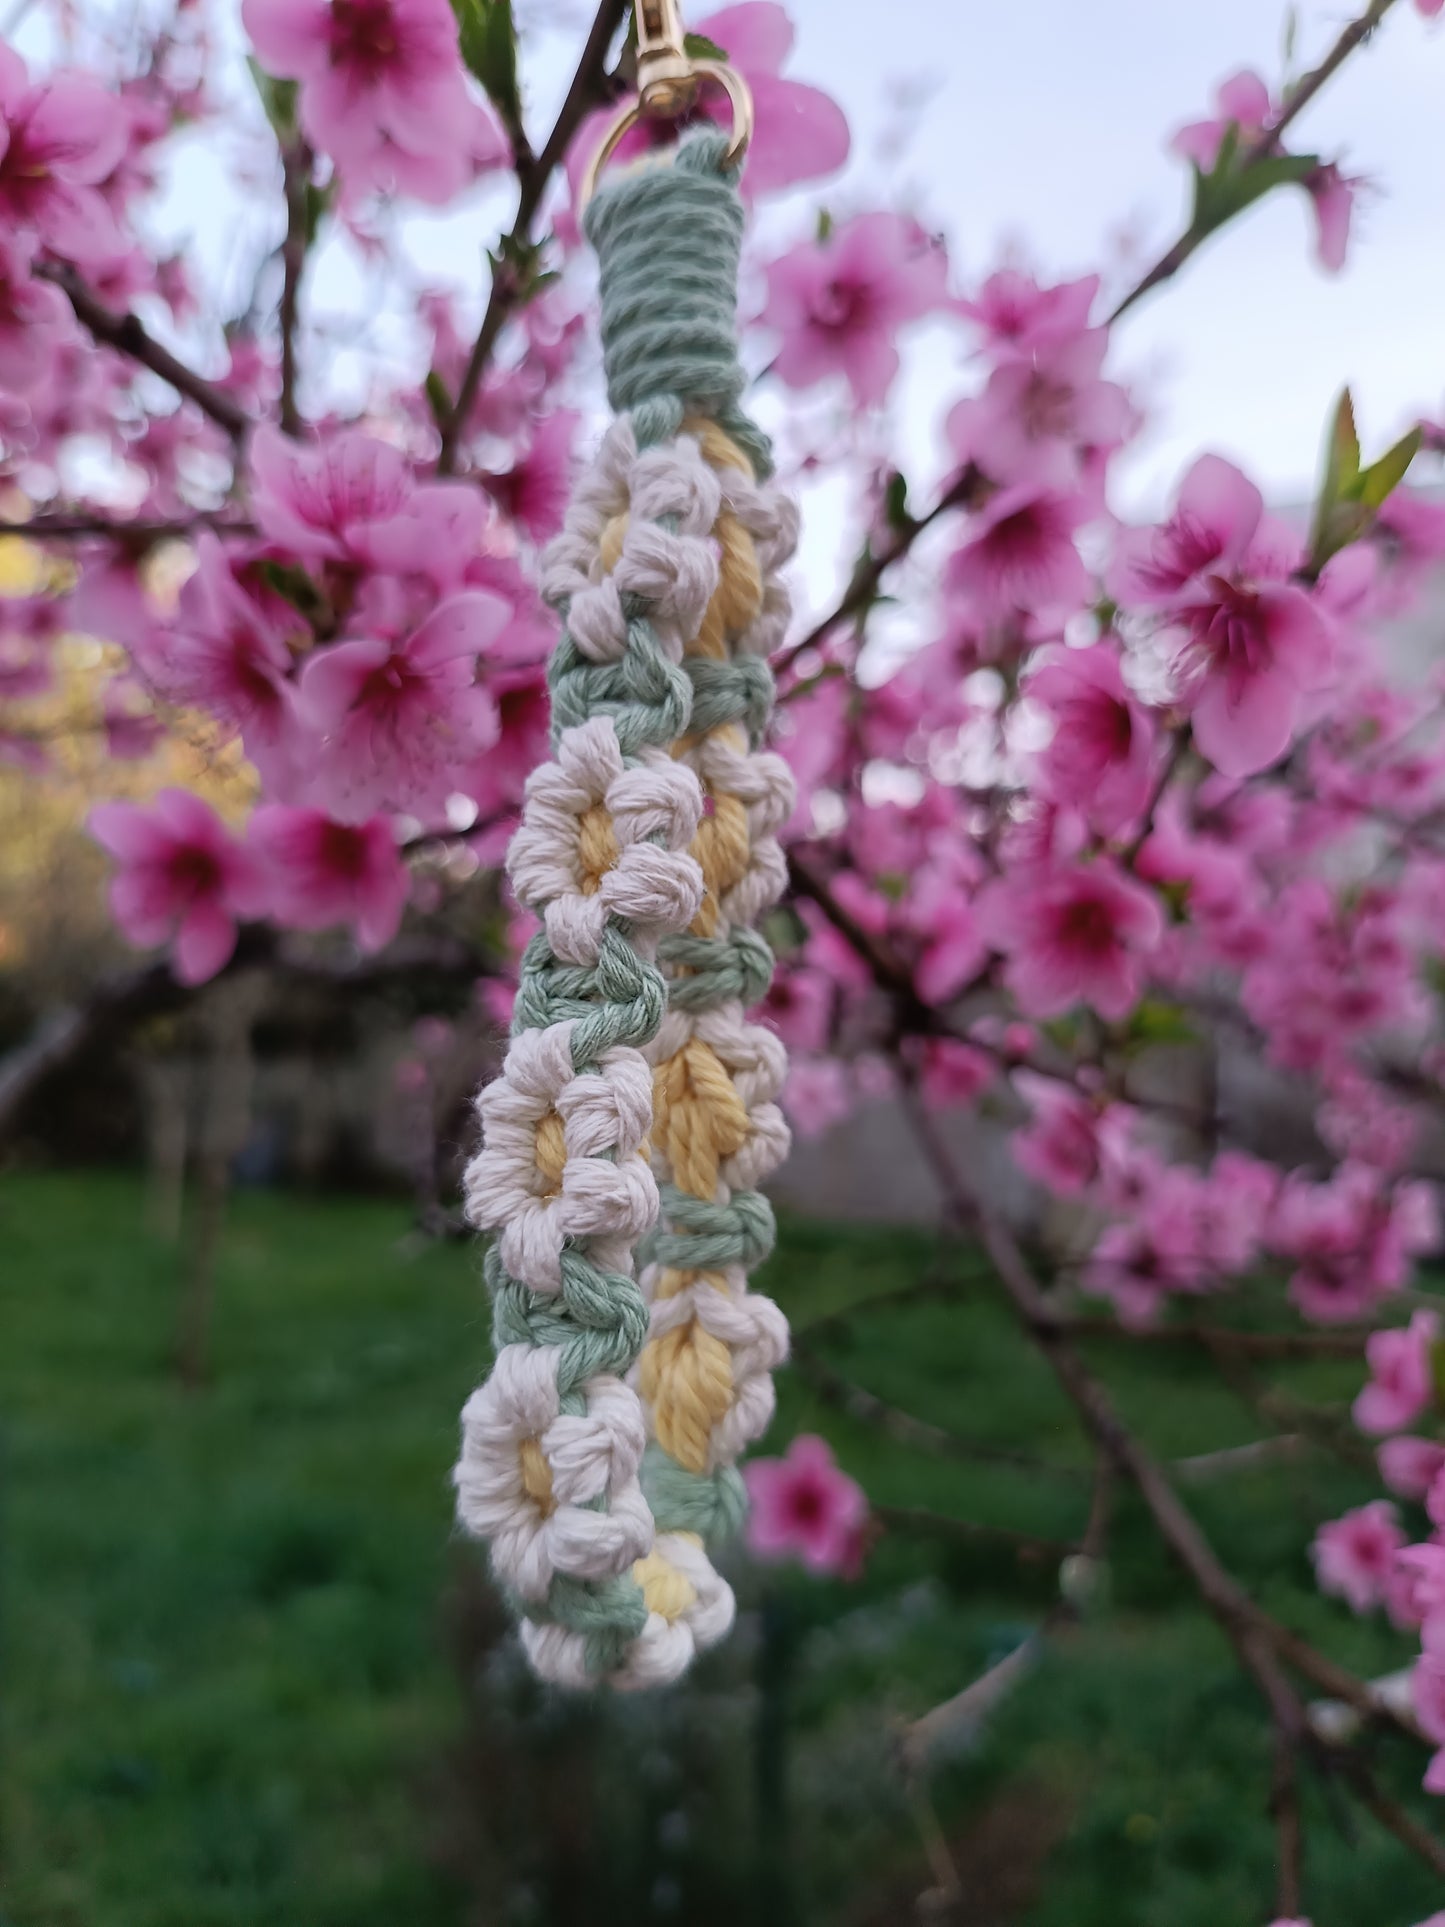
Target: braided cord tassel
{"points": [[552, 1443]]}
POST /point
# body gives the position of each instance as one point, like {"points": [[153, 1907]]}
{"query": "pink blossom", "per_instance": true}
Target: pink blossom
{"points": [[1415, 1592], [382, 90], [533, 491], [952, 1074], [939, 913], [495, 778], [800, 133], [324, 873], [1019, 317], [1075, 933], [1059, 1146], [1242, 102], [59, 138], [1402, 1376], [352, 499], [1042, 417], [1332, 196], [226, 654], [400, 713], [1020, 553], [799, 1006], [1249, 652], [1101, 755], [181, 874], [33, 316], [1216, 515], [1410, 1466], [1353, 1238], [839, 303], [816, 1095], [804, 1505], [1153, 1255], [1354, 1554]]}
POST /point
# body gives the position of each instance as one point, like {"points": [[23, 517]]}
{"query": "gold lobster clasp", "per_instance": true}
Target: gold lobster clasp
{"points": [[668, 81]]}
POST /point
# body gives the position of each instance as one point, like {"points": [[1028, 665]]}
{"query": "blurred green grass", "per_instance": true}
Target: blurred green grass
{"points": [[231, 1696]]}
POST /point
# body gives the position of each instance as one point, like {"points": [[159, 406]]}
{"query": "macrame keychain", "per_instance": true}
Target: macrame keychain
{"points": [[635, 1113]]}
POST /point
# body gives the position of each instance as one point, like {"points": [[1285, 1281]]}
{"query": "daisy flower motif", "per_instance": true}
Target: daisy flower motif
{"points": [[600, 841], [564, 1153], [689, 1608], [553, 1492]]}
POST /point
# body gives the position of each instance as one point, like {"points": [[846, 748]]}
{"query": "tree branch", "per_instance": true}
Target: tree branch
{"points": [[917, 1434], [1174, 257], [127, 334], [65, 525], [296, 169], [1256, 1636], [586, 91], [862, 590], [119, 1003]]}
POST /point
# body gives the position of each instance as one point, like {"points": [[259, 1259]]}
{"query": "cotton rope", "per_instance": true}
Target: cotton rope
{"points": [[598, 1459]]}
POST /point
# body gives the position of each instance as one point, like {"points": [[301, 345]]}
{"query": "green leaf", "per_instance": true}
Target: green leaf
{"points": [[699, 47], [318, 206], [278, 97], [1329, 530], [295, 586], [1350, 495], [438, 397], [895, 503], [1437, 1369], [1233, 184], [1375, 483], [824, 230], [1156, 1021], [487, 35]]}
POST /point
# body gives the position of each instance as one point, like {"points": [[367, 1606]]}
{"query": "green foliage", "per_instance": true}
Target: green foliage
{"points": [[487, 35], [278, 98], [1350, 495], [252, 1680], [438, 398], [1236, 181], [698, 47]]}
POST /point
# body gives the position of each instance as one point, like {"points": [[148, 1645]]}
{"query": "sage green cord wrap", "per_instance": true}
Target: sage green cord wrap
{"points": [[668, 242]]}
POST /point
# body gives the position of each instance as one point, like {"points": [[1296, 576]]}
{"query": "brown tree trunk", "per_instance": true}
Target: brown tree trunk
{"points": [[225, 1119], [167, 1086]]}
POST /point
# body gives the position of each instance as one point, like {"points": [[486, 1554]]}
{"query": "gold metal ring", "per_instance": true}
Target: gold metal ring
{"points": [[636, 111]]}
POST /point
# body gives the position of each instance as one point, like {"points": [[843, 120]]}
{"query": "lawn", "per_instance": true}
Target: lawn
{"points": [[249, 1677]]}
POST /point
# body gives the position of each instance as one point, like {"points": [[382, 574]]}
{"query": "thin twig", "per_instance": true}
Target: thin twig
{"points": [[1174, 257], [127, 334], [587, 90], [1284, 1805], [1249, 1628], [1338, 1342], [64, 525], [1424, 1844], [296, 169], [862, 590], [915, 1518], [917, 1434]]}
